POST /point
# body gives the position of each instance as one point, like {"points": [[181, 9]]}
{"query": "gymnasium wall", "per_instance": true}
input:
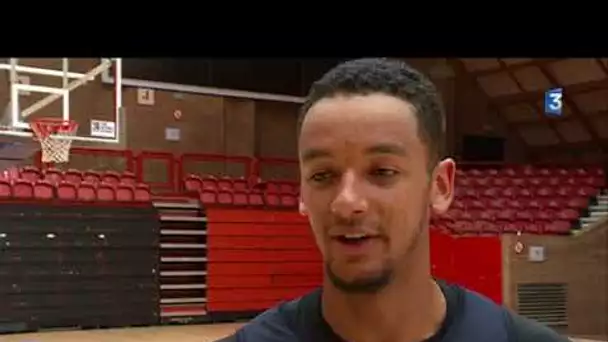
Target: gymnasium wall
{"points": [[233, 126], [581, 263]]}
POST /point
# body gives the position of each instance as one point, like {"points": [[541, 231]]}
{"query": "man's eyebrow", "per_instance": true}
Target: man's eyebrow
{"points": [[386, 149], [314, 153]]}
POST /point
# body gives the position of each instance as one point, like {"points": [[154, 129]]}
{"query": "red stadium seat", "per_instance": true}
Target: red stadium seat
{"points": [[209, 183], [457, 204], [463, 181], [518, 182], [524, 215], [5, 188], [239, 197], [545, 191], [475, 173], [86, 191], [225, 197], [44, 190], [482, 181], [67, 191], [54, 176], [544, 172], [501, 181], [508, 172], [240, 184], [208, 196], [509, 192], [553, 181], [73, 176], [92, 176], [225, 183], [110, 177], [288, 200], [23, 189], [577, 203], [125, 192], [536, 181], [477, 204], [142, 193], [533, 203], [492, 172], [30, 174], [533, 227], [272, 187], [565, 191], [272, 199], [523, 192], [128, 177], [193, 183], [568, 214], [491, 192], [106, 192], [557, 227], [515, 204], [255, 198], [586, 191]]}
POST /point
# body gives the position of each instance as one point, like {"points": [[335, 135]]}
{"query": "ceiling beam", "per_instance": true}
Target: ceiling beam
{"points": [[512, 67], [539, 109], [460, 70], [576, 111], [538, 95]]}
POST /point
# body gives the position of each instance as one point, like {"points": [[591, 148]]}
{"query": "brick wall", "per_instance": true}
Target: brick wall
{"points": [[579, 262]]}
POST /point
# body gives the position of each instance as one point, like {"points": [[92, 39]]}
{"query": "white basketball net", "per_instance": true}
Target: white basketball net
{"points": [[55, 140]]}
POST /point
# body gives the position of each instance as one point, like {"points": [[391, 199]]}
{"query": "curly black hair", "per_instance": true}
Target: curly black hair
{"points": [[393, 77]]}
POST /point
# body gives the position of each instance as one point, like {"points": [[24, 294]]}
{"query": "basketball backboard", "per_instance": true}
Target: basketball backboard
{"points": [[60, 88]]}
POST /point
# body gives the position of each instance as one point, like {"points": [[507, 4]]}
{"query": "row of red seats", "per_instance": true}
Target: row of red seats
{"points": [[532, 171], [56, 176], [575, 202], [510, 215], [65, 190], [550, 226], [593, 181], [248, 198], [517, 192], [196, 183]]}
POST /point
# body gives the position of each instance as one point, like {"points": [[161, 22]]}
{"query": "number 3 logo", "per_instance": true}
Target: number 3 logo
{"points": [[556, 101]]}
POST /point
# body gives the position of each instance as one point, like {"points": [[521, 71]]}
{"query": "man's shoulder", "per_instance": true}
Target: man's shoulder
{"points": [[526, 330], [499, 320], [279, 323]]}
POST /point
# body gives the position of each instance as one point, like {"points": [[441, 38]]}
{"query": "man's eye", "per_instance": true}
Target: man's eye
{"points": [[321, 176], [384, 172]]}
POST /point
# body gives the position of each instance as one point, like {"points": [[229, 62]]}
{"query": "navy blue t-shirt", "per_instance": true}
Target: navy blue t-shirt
{"points": [[470, 317]]}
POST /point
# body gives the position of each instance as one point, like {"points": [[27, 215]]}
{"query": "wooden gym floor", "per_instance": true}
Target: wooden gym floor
{"points": [[171, 333], [186, 333]]}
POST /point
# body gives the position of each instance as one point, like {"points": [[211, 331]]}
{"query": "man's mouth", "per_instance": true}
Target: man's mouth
{"points": [[353, 239]]}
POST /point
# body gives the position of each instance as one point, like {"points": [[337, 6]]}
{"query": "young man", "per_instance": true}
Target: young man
{"points": [[372, 167]]}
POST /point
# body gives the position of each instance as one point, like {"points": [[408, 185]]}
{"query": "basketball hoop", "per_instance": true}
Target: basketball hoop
{"points": [[54, 136]]}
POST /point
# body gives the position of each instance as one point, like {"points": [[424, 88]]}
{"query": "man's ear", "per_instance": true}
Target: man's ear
{"points": [[442, 193]]}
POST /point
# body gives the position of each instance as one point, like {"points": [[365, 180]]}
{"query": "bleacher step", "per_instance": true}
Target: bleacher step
{"points": [[599, 213], [591, 219]]}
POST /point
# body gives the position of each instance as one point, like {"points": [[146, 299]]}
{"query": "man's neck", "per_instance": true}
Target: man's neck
{"points": [[410, 309]]}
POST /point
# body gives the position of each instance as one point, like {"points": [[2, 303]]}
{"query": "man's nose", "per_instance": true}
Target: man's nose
{"points": [[349, 198]]}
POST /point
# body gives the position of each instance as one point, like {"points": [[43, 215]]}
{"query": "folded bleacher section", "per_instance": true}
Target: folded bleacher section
{"points": [[77, 249]]}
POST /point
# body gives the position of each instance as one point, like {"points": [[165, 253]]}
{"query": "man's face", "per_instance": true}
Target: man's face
{"points": [[366, 186]]}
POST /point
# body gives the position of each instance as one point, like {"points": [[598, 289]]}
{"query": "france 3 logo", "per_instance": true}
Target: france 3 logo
{"points": [[553, 102]]}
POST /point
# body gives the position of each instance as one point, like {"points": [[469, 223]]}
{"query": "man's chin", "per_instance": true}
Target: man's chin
{"points": [[364, 282]]}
